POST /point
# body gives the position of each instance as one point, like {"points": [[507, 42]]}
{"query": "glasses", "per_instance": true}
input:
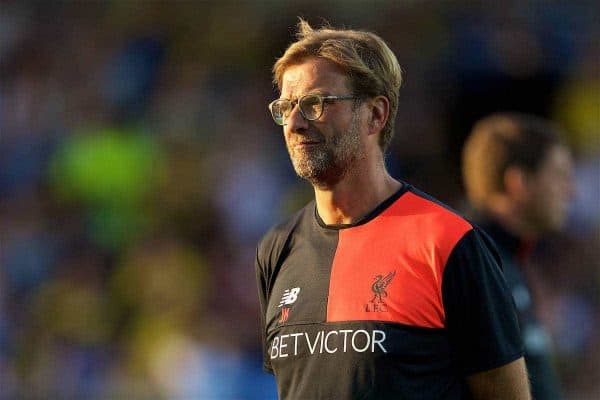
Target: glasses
{"points": [[311, 106]]}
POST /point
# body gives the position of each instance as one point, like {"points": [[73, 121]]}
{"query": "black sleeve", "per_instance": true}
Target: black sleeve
{"points": [[268, 253], [480, 315], [263, 296]]}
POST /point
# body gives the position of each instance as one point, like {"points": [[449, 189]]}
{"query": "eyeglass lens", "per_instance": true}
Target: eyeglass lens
{"points": [[311, 107]]}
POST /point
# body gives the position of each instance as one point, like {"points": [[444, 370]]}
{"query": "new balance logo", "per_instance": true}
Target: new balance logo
{"points": [[289, 297]]}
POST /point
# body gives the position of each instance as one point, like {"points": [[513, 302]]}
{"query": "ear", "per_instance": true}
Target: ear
{"points": [[380, 112], [515, 183]]}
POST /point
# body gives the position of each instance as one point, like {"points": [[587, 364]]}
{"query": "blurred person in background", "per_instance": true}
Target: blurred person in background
{"points": [[518, 178], [374, 290]]}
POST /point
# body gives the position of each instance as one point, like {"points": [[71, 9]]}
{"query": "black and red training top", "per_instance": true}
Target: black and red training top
{"points": [[403, 304]]}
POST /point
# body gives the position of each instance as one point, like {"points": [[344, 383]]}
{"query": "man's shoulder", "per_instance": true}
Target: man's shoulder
{"points": [[275, 238], [433, 215], [288, 223]]}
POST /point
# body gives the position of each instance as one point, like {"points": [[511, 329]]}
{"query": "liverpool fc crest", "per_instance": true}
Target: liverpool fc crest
{"points": [[380, 282]]}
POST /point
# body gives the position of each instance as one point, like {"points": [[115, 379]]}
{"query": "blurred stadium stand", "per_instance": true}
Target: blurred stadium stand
{"points": [[139, 167]]}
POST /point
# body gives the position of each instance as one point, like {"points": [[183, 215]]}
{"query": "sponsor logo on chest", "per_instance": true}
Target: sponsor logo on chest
{"points": [[328, 342]]}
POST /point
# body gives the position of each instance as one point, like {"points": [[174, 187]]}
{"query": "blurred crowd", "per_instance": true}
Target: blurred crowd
{"points": [[139, 167]]}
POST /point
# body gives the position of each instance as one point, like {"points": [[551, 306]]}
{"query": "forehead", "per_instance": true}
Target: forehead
{"points": [[313, 74]]}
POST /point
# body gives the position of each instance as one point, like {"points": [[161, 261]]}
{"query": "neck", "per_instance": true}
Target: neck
{"points": [[357, 194]]}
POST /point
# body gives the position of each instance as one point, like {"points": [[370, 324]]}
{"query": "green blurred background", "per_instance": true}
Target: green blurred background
{"points": [[139, 167]]}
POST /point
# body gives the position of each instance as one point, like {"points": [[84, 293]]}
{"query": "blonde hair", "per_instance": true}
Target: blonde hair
{"points": [[372, 67]]}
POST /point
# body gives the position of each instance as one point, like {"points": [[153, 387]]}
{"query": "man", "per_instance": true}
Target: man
{"points": [[374, 290], [518, 176]]}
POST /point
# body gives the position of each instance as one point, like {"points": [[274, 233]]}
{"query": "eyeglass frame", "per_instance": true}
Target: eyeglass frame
{"points": [[322, 100]]}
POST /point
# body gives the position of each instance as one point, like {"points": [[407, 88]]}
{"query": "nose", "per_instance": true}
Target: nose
{"points": [[295, 121]]}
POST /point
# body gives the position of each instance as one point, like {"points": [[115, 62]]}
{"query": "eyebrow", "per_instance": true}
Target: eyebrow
{"points": [[319, 92]]}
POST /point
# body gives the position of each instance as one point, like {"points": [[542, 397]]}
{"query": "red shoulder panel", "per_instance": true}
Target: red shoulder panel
{"points": [[390, 269]]}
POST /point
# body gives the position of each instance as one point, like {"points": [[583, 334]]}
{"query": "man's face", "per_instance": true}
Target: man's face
{"points": [[322, 151], [550, 190]]}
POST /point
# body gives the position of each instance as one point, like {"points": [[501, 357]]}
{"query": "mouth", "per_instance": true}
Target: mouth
{"points": [[305, 144]]}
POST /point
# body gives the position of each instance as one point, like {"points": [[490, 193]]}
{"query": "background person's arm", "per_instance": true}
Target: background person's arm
{"points": [[508, 382]]}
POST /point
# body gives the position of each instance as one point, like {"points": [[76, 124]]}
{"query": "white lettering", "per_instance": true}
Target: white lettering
{"points": [[275, 348], [378, 342], [327, 337], [322, 340], [354, 344], [314, 346], [282, 345], [295, 336], [345, 332], [328, 342]]}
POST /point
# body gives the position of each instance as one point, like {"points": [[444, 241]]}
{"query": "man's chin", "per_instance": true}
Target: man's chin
{"points": [[307, 168], [321, 179], [310, 175]]}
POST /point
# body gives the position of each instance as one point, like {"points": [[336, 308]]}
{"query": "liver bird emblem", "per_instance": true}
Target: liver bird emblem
{"points": [[378, 287]]}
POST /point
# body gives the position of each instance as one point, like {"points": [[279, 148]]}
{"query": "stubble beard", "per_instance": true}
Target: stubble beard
{"points": [[327, 163]]}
